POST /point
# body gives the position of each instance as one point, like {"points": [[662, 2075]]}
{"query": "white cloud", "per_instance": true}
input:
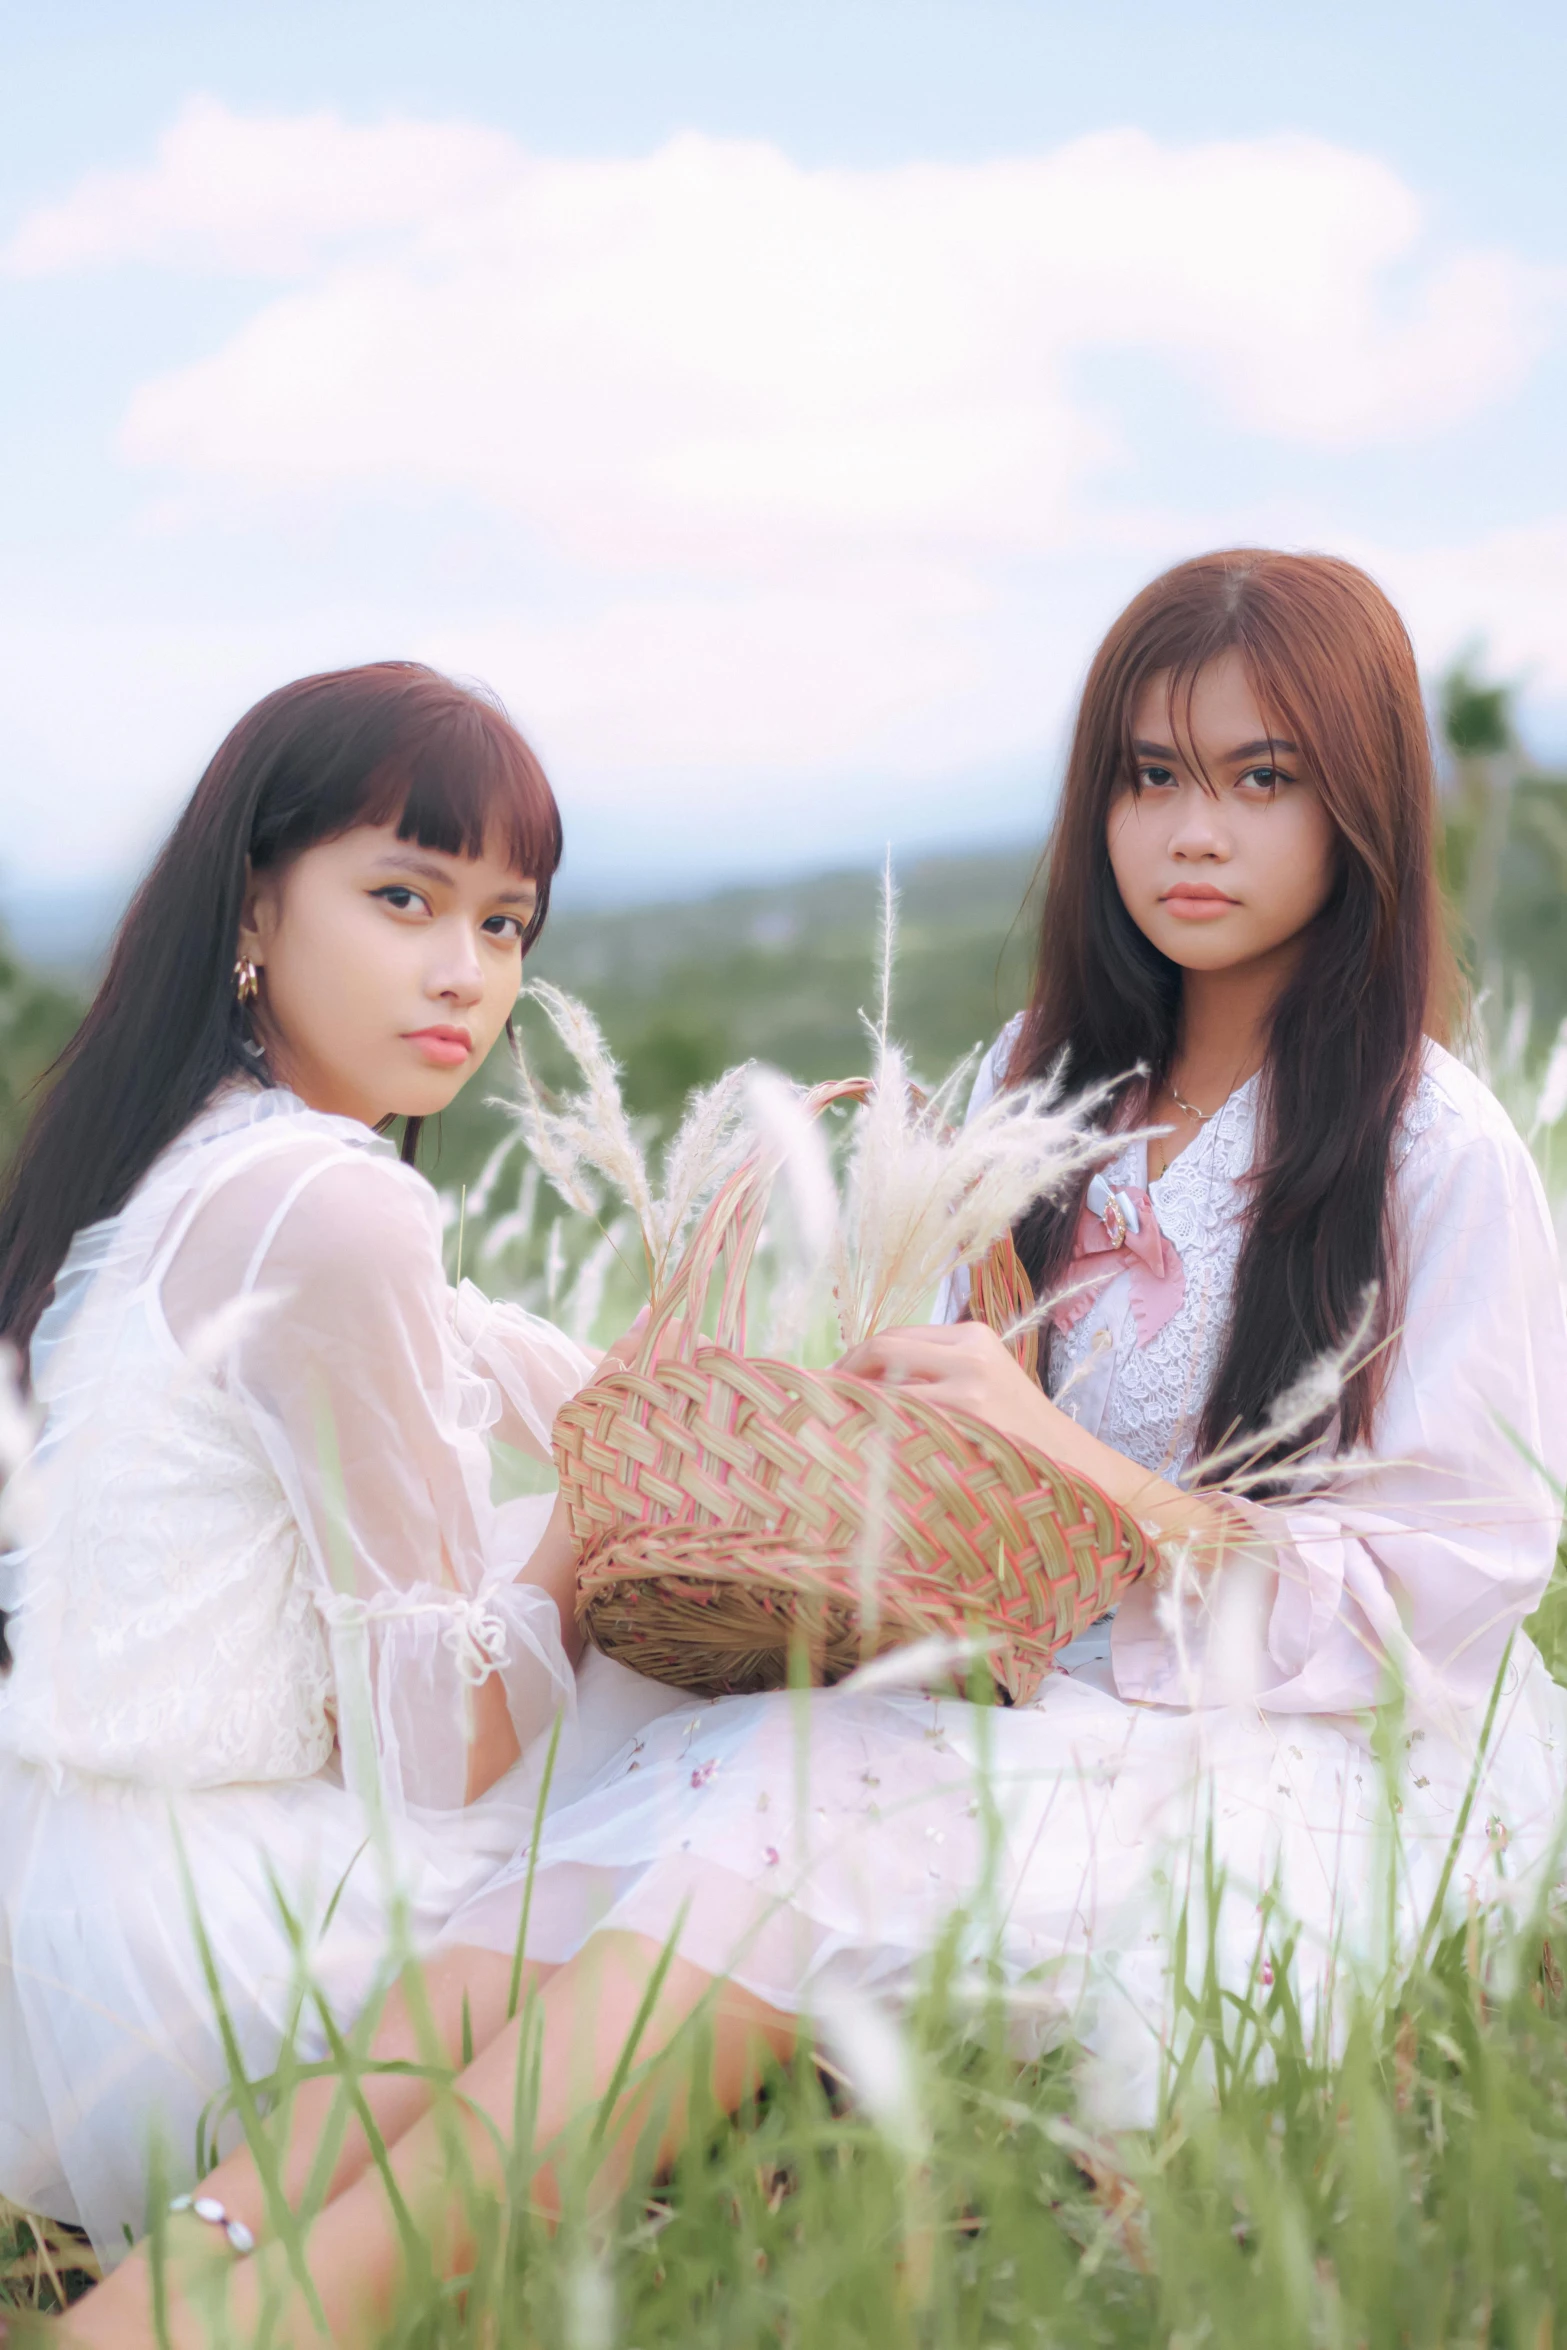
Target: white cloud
{"points": [[261, 195], [704, 683], [806, 463], [712, 355]]}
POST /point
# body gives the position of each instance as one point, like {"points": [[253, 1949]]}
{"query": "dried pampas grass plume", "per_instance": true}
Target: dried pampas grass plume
{"points": [[588, 1142], [803, 1219], [920, 1192], [924, 1193], [590, 1133]]}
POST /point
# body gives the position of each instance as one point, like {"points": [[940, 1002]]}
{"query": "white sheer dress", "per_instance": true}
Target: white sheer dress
{"points": [[819, 1845], [260, 1573]]}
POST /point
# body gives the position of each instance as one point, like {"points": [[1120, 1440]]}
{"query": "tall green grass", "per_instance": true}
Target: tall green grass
{"points": [[1406, 2188], [1412, 2192]]}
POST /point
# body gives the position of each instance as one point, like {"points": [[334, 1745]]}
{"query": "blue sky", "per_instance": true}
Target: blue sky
{"points": [[772, 401]]}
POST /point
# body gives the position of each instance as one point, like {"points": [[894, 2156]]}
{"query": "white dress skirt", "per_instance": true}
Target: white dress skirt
{"points": [[1211, 1754], [256, 1573]]}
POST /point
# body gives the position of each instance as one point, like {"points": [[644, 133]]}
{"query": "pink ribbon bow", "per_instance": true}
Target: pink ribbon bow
{"points": [[1122, 1226]]}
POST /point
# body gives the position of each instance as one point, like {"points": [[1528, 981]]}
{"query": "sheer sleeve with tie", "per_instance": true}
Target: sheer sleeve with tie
{"points": [[313, 1278]]}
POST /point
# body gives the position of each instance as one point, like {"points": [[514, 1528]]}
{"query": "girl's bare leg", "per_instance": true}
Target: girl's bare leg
{"points": [[459, 2005], [354, 2248], [589, 2010], [460, 2002]]}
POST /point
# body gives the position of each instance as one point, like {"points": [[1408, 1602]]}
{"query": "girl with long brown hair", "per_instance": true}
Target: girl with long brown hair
{"points": [[1305, 1321]]}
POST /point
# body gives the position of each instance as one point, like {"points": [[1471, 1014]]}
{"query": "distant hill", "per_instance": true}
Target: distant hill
{"points": [[781, 973]]}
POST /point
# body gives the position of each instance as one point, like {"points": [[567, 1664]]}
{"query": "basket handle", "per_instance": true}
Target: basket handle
{"points": [[727, 1234], [1001, 1293]]}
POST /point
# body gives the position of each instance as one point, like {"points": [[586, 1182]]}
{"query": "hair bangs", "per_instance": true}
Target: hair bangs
{"points": [[469, 786], [1181, 651]]}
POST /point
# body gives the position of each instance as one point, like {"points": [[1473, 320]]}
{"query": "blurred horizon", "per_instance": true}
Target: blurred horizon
{"points": [[62, 933]]}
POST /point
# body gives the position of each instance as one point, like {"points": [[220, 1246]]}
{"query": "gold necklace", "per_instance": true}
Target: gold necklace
{"points": [[1191, 1109]]}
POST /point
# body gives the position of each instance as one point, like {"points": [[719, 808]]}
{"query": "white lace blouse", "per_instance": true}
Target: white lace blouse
{"points": [[263, 1478], [1427, 1551]]}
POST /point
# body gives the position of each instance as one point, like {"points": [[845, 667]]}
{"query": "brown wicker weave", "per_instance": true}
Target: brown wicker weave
{"points": [[732, 1511]]}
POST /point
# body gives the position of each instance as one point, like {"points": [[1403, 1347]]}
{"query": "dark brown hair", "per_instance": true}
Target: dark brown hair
{"points": [[1332, 667], [392, 741]]}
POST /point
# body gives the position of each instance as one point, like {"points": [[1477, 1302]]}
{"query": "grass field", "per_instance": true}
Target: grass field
{"points": [[1405, 2189], [922, 2188]]}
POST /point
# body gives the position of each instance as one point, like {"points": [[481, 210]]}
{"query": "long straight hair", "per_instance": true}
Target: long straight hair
{"points": [[392, 741], [1333, 669]]}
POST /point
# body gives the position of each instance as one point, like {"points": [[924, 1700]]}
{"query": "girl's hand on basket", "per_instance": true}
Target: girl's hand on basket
{"points": [[964, 1367]]}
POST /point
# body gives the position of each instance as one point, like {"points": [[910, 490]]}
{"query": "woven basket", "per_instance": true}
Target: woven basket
{"points": [[732, 1512]]}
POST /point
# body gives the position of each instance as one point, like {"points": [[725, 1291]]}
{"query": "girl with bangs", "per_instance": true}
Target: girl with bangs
{"points": [[259, 1564], [1307, 1326]]}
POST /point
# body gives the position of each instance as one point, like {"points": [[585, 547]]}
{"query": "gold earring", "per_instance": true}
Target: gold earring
{"points": [[247, 982]]}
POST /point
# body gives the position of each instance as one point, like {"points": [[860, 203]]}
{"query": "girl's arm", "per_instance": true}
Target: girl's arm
{"points": [[1415, 1565], [1411, 1566], [447, 1618], [494, 1742], [536, 1368], [963, 1366]]}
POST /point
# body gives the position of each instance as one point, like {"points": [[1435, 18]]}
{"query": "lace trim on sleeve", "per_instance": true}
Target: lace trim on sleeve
{"points": [[473, 1632]]}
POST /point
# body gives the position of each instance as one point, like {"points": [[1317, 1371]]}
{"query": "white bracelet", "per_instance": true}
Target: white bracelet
{"points": [[208, 2207]]}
